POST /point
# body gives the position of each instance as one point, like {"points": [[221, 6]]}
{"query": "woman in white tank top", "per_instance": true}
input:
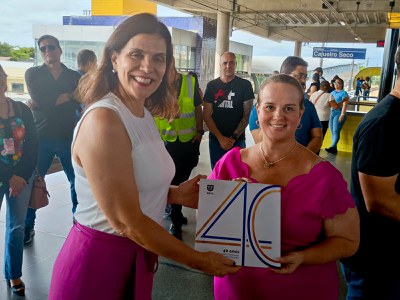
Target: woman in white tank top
{"points": [[123, 174]]}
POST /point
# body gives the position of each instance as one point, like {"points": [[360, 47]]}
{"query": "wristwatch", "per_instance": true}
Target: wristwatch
{"points": [[200, 131]]}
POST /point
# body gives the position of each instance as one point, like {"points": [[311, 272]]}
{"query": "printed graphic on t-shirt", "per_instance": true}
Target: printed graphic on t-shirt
{"points": [[227, 101], [11, 154]]}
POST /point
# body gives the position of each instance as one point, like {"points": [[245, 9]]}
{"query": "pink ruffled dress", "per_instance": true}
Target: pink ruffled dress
{"points": [[307, 201]]}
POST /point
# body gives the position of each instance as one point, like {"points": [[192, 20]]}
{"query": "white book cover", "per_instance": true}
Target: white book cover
{"points": [[240, 221]]}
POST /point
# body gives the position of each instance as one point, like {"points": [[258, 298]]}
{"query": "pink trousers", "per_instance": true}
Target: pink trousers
{"points": [[97, 265]]}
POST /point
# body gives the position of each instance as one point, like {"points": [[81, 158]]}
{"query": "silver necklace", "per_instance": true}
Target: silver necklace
{"points": [[270, 164]]}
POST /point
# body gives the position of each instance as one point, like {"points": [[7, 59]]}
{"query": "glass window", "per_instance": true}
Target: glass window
{"points": [[17, 87], [185, 57], [239, 63], [192, 58], [70, 52]]}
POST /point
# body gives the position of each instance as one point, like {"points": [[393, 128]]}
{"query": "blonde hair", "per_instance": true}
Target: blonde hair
{"points": [[283, 78]]}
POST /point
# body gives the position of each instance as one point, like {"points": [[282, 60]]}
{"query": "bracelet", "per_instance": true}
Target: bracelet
{"points": [[343, 114], [200, 131]]}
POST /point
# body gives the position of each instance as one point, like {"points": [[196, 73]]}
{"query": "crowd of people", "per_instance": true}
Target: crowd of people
{"points": [[363, 86], [135, 100]]}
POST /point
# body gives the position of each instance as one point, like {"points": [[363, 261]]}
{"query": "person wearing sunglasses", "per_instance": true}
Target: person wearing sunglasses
{"points": [[338, 115], [51, 87]]}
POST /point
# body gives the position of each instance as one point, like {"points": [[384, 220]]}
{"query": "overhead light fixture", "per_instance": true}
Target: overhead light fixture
{"points": [[357, 38], [342, 23]]}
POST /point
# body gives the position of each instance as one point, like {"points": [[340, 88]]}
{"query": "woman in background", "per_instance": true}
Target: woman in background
{"points": [[323, 102], [315, 84], [338, 115], [18, 153]]}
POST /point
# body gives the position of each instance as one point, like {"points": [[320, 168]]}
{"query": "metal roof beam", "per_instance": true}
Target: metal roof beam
{"points": [[316, 18], [338, 17]]}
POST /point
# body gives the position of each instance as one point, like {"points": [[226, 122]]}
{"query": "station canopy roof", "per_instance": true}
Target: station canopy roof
{"points": [[341, 21]]}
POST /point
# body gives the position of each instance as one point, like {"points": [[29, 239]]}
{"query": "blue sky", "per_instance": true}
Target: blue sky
{"points": [[16, 29]]}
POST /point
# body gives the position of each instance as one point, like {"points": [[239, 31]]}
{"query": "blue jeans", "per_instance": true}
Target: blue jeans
{"points": [[15, 227], [355, 283], [335, 126], [366, 94], [216, 152], [372, 286], [48, 148]]}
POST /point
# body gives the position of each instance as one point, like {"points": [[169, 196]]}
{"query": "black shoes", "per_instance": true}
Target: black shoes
{"points": [[28, 236], [18, 289], [184, 220], [177, 220], [331, 150], [167, 216], [176, 231]]}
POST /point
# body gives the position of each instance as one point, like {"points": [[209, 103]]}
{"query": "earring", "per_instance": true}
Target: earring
{"points": [[114, 71], [258, 123], [299, 126]]}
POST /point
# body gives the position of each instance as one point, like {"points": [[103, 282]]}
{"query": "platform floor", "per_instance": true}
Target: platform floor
{"points": [[172, 280]]}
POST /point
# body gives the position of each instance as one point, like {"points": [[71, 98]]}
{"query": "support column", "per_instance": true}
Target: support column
{"points": [[297, 48], [388, 64], [321, 60], [222, 39]]}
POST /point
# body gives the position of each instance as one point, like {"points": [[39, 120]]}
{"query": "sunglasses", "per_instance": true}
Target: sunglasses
{"points": [[47, 47], [300, 76]]}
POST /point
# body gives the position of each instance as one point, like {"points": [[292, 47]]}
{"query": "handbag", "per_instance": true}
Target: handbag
{"points": [[39, 195]]}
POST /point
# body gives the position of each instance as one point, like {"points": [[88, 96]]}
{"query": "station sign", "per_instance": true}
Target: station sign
{"points": [[340, 53]]}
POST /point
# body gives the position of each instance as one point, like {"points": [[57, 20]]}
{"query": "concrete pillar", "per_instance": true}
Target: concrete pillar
{"points": [[297, 48], [222, 39]]}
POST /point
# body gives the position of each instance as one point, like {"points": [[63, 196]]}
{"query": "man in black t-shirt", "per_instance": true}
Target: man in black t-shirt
{"points": [[51, 87], [373, 272], [227, 105]]}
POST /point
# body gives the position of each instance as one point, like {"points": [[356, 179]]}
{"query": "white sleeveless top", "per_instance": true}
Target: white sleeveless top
{"points": [[153, 168]]}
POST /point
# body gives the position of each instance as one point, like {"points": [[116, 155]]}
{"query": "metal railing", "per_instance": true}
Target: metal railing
{"points": [[356, 102]]}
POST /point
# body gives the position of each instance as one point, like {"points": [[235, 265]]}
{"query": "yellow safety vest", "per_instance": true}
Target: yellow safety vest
{"points": [[183, 126]]}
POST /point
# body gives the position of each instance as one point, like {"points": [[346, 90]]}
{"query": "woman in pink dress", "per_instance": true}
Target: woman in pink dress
{"points": [[319, 221]]}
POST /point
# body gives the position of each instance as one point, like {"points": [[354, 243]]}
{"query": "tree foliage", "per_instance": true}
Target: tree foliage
{"points": [[5, 49], [24, 53], [16, 53]]}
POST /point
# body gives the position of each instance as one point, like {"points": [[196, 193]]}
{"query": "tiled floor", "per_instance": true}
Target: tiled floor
{"points": [[172, 281]]}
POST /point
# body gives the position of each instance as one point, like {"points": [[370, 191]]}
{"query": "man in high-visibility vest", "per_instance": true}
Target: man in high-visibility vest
{"points": [[182, 139]]}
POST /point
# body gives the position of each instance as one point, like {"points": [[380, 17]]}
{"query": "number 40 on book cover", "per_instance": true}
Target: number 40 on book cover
{"points": [[240, 221]]}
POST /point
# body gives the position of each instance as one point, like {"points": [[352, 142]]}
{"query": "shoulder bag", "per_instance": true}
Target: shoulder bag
{"points": [[40, 195]]}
